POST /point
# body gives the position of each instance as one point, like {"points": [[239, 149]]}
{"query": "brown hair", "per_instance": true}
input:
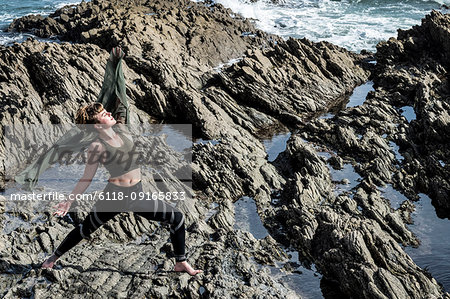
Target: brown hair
{"points": [[85, 115]]}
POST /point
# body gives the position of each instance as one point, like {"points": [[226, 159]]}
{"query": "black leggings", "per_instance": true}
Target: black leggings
{"points": [[94, 220]]}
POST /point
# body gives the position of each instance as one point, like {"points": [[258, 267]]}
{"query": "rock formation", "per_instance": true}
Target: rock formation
{"points": [[191, 62]]}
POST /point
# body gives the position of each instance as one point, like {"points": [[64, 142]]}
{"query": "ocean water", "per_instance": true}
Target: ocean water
{"points": [[353, 24], [10, 10], [434, 251]]}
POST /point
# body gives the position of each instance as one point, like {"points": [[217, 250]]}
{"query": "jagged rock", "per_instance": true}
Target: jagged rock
{"points": [[337, 162], [176, 70], [409, 72], [424, 62]]}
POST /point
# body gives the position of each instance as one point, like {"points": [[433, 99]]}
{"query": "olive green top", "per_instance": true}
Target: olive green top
{"points": [[122, 159]]}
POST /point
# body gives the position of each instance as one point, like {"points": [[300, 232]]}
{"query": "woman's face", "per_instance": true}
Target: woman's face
{"points": [[105, 119]]}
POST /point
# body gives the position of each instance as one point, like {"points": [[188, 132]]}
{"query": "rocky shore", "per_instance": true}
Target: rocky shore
{"points": [[200, 63]]}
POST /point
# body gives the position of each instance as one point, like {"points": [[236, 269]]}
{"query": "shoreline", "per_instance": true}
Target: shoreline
{"points": [[278, 25]]}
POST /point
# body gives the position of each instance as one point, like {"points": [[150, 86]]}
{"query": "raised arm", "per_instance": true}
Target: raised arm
{"points": [[113, 94], [94, 154], [120, 112]]}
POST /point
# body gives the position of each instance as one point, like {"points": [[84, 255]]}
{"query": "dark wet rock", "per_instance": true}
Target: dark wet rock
{"points": [[332, 231], [411, 71], [142, 269], [265, 80], [146, 26], [424, 63], [336, 162]]}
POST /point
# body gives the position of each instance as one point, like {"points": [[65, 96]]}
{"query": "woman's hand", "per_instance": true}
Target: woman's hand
{"points": [[116, 54], [62, 208]]}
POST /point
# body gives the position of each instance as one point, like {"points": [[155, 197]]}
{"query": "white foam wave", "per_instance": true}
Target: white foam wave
{"points": [[71, 3], [10, 38], [7, 17], [219, 68], [38, 12], [355, 25]]}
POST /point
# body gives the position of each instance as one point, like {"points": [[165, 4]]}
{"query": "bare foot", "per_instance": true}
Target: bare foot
{"points": [[185, 267], [49, 262]]}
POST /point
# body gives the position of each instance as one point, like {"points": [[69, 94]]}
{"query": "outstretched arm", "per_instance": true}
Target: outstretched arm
{"points": [[94, 153]]}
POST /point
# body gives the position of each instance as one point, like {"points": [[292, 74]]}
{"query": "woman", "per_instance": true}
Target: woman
{"points": [[125, 179]]}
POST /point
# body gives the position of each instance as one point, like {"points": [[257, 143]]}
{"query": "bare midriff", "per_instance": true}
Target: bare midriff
{"points": [[127, 179]]}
